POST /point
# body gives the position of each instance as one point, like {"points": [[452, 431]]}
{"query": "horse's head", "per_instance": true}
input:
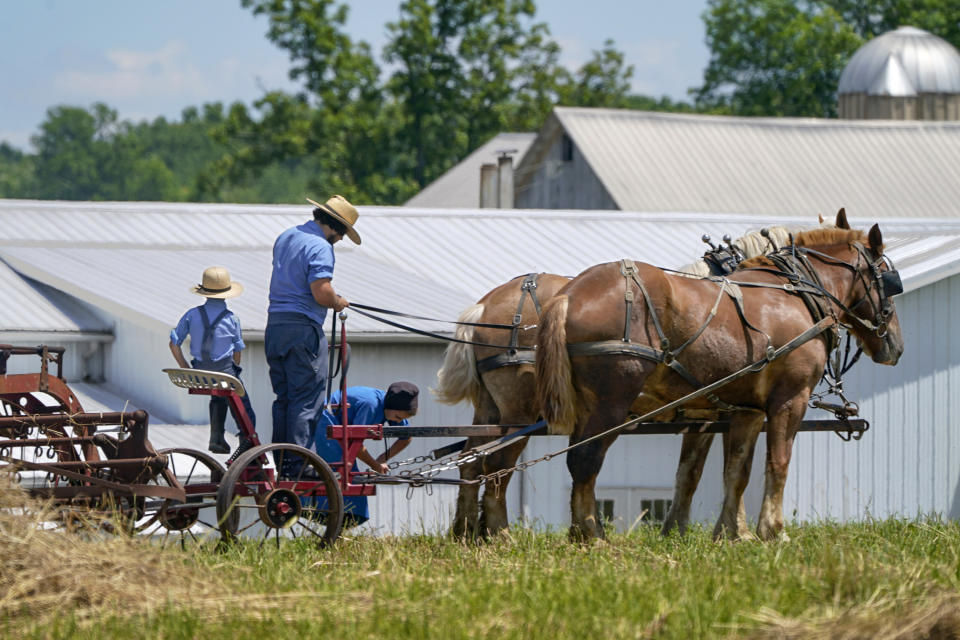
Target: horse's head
{"points": [[868, 310]]}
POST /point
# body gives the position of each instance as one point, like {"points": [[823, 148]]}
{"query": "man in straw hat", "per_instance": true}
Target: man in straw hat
{"points": [[301, 291], [215, 344]]}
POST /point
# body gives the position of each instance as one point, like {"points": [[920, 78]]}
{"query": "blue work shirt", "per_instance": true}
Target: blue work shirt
{"points": [[366, 407], [301, 255], [227, 336]]}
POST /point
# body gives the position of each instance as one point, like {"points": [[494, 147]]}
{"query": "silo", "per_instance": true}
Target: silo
{"points": [[905, 74]]}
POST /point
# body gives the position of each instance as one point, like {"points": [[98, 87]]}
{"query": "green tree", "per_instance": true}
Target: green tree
{"points": [[461, 71], [338, 125], [604, 81], [774, 57], [785, 57], [870, 19], [16, 173]]}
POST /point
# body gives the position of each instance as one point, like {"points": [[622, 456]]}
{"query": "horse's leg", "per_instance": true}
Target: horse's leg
{"points": [[693, 455], [743, 529], [781, 431], [745, 426], [493, 507], [466, 518], [585, 461]]}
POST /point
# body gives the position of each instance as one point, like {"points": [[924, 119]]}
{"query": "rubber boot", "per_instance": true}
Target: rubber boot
{"points": [[218, 417]]}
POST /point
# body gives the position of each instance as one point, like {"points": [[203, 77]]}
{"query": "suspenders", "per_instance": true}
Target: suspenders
{"points": [[206, 347]]}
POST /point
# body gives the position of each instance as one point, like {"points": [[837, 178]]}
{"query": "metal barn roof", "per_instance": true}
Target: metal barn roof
{"points": [[903, 62], [30, 307], [763, 166], [135, 259], [460, 186]]}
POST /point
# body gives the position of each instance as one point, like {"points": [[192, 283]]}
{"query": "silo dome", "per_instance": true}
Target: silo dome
{"points": [[903, 62], [906, 73]]}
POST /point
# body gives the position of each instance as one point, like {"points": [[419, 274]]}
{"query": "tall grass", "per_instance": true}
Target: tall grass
{"points": [[891, 578]]}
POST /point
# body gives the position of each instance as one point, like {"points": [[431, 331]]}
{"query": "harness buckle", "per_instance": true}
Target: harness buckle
{"points": [[628, 295], [517, 318]]}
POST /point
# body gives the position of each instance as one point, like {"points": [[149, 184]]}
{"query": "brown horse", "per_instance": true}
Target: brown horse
{"points": [[627, 337], [500, 384]]}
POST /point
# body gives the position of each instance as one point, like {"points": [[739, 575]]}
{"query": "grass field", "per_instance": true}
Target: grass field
{"points": [[895, 579]]}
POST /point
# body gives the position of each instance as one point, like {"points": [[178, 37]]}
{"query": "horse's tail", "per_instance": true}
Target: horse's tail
{"points": [[555, 391], [457, 379]]}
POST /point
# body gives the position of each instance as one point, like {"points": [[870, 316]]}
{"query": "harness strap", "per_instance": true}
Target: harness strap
{"points": [[508, 359], [753, 367], [206, 345], [629, 271], [527, 288]]}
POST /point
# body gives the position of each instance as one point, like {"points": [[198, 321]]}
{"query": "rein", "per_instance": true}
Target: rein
{"points": [[528, 288]]}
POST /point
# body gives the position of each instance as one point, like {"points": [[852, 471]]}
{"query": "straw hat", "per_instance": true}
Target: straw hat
{"points": [[217, 284], [339, 208]]}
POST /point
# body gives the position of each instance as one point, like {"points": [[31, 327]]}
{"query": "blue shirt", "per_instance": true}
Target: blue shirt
{"points": [[366, 407], [227, 336], [301, 255]]}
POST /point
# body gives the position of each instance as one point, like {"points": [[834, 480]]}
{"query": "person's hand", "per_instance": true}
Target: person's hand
{"points": [[384, 469], [341, 304]]}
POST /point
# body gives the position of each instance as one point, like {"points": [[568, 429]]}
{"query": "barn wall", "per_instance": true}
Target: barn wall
{"points": [[909, 461], [563, 184], [82, 360]]}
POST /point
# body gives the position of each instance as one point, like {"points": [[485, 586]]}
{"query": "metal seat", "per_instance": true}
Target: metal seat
{"points": [[201, 379]]}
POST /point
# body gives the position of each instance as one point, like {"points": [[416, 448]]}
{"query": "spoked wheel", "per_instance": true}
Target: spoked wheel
{"points": [[302, 499], [193, 521]]}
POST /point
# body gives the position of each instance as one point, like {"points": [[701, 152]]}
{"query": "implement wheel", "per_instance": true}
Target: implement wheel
{"points": [[195, 520], [306, 503]]}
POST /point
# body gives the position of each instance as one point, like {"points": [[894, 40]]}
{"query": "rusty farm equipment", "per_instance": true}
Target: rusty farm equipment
{"points": [[84, 462]]}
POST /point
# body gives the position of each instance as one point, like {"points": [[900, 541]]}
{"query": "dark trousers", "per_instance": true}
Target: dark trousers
{"points": [[296, 350], [219, 404]]}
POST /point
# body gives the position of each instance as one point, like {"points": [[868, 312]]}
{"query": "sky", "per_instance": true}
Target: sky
{"points": [[154, 58]]}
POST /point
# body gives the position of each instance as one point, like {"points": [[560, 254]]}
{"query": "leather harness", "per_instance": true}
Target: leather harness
{"points": [[513, 356], [793, 265]]}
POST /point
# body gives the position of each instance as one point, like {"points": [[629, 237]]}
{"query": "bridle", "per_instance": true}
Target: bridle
{"points": [[887, 284]]}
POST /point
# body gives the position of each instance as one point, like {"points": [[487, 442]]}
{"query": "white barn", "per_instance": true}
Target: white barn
{"points": [[110, 279]]}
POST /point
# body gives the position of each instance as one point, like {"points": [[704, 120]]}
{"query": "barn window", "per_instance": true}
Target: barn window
{"points": [[605, 510], [566, 148], [656, 510]]}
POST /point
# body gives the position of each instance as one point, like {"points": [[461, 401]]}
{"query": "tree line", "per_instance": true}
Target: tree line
{"points": [[453, 74]]}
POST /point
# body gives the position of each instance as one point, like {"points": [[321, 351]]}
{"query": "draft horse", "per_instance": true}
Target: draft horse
{"points": [[626, 337], [499, 382]]}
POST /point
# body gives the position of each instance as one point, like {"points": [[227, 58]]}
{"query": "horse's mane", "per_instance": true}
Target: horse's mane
{"points": [[812, 238], [753, 244]]}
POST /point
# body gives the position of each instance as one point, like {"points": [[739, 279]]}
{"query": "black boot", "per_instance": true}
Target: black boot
{"points": [[218, 417]]}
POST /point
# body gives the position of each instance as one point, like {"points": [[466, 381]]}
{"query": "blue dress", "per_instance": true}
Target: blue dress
{"points": [[366, 407]]}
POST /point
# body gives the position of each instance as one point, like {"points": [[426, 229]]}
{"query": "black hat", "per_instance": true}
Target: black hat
{"points": [[402, 396]]}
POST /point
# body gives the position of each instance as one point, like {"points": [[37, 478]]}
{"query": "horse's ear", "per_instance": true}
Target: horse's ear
{"points": [[842, 219], [876, 239], [820, 217]]}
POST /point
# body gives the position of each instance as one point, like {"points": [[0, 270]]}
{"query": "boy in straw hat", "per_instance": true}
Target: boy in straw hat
{"points": [[215, 344], [301, 291]]}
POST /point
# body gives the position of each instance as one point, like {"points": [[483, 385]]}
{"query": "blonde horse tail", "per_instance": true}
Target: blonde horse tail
{"points": [[458, 379], [555, 391]]}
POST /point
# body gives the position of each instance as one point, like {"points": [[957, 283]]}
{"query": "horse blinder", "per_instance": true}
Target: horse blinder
{"points": [[890, 283]]}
